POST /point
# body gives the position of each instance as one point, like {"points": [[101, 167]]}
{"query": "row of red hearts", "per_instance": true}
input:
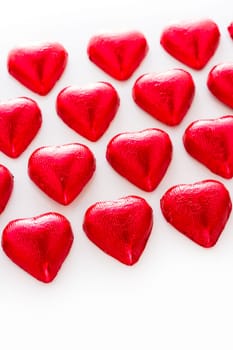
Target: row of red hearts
{"points": [[120, 228]]}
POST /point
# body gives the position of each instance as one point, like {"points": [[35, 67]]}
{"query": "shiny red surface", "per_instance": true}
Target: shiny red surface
{"points": [[220, 82], [38, 67], [118, 54], [62, 171], [6, 186], [211, 143], [88, 110], [20, 120], [199, 211], [141, 157], [39, 245], [166, 96], [120, 228], [230, 29], [192, 43]]}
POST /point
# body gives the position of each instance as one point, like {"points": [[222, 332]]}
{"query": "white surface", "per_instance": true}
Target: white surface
{"points": [[179, 296]]}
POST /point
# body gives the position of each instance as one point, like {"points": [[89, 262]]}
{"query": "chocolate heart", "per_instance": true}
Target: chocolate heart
{"points": [[230, 29], [192, 43], [118, 54], [166, 96], [88, 110], [38, 67], [211, 143], [141, 157], [20, 120], [62, 171], [39, 245], [199, 211], [220, 82], [120, 228], [6, 186]]}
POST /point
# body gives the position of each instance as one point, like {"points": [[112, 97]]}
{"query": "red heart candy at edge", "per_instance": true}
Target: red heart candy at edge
{"points": [[199, 211], [230, 29], [6, 186], [211, 143], [88, 110], [166, 96], [62, 171], [38, 67], [39, 245], [120, 228], [141, 157], [20, 120], [220, 83], [118, 54], [193, 43]]}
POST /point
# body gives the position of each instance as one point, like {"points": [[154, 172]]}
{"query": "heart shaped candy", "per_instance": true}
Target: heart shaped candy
{"points": [[141, 157], [166, 96], [38, 67], [39, 245], [230, 29], [6, 186], [118, 54], [199, 211], [120, 228], [220, 82], [20, 120], [192, 43], [62, 171], [88, 110], [211, 143]]}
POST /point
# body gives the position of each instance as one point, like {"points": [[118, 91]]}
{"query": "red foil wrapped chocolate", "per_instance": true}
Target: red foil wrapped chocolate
{"points": [[39, 245], [120, 228]]}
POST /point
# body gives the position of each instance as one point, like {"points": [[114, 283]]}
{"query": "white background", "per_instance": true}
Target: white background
{"points": [[179, 295]]}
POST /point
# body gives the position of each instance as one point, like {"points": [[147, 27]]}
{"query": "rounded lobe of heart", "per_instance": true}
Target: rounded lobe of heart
{"points": [[166, 96], [200, 211], [62, 171], [192, 43], [88, 110], [38, 245], [230, 30], [118, 54], [38, 67], [211, 143], [220, 83], [121, 228], [6, 186], [141, 157], [20, 121]]}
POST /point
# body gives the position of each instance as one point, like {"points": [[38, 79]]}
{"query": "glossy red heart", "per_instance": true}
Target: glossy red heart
{"points": [[192, 43], [38, 67], [39, 245], [211, 143], [6, 186], [166, 96], [88, 110], [62, 171], [141, 157], [118, 54], [199, 211], [230, 29], [220, 82], [20, 120], [120, 228]]}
